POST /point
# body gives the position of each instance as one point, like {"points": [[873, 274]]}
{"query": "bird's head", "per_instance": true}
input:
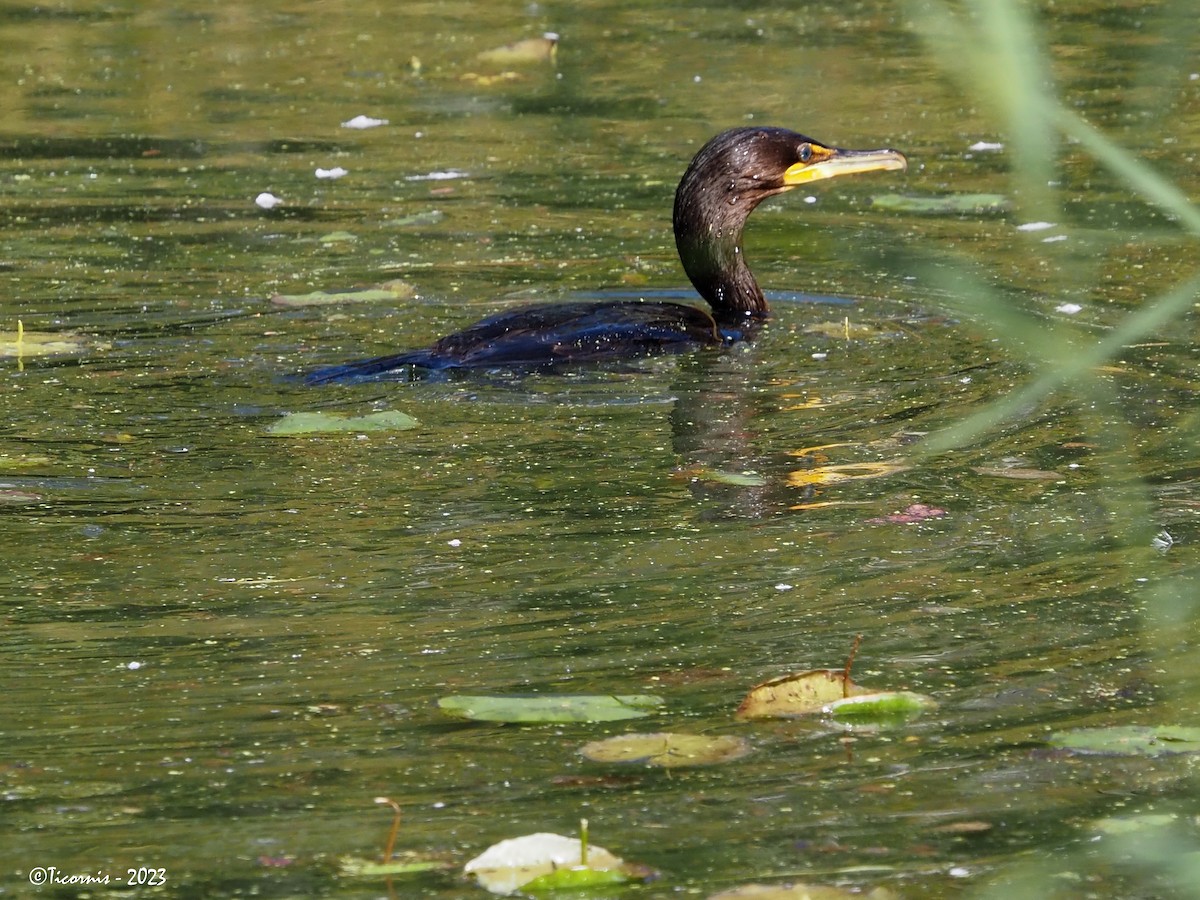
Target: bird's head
{"points": [[746, 165], [727, 179]]}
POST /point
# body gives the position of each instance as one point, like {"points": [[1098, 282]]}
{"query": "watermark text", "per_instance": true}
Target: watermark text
{"points": [[142, 876]]}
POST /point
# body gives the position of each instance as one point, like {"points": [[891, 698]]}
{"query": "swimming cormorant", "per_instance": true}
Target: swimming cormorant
{"points": [[727, 179]]}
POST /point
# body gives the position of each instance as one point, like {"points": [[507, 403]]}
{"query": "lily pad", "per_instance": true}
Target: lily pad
{"points": [[798, 694], [550, 708], [943, 205], [532, 862], [328, 423], [667, 750], [1130, 740], [389, 291]]}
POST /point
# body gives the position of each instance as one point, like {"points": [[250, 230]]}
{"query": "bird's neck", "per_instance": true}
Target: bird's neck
{"points": [[718, 270], [708, 234]]}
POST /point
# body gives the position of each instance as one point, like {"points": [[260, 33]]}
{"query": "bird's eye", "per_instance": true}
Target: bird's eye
{"points": [[805, 152]]}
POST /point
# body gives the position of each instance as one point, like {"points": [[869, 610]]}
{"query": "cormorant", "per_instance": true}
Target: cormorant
{"points": [[727, 179]]}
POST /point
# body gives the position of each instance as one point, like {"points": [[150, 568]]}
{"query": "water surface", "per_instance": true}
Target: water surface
{"points": [[221, 646]]}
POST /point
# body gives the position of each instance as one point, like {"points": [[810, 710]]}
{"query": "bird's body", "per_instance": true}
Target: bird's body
{"points": [[727, 179], [549, 333]]}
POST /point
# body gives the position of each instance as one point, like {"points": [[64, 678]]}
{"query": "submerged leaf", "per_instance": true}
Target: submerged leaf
{"points": [[837, 474], [1017, 474], [489, 80], [529, 50], [338, 237], [417, 219], [799, 892], [945, 205], [550, 708], [23, 461], [1130, 740], [843, 328], [382, 293], [914, 512], [13, 497], [410, 864], [1137, 823], [737, 479], [328, 423], [666, 749], [721, 476]]}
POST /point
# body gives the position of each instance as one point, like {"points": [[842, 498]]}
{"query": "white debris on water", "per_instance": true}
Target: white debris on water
{"points": [[361, 122]]}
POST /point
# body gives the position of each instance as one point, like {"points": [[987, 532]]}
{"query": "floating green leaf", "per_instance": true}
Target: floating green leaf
{"points": [[880, 707], [23, 461], [574, 878], [24, 344], [667, 750], [737, 479], [355, 866], [533, 863], [328, 423], [550, 708], [1130, 740], [943, 205]]}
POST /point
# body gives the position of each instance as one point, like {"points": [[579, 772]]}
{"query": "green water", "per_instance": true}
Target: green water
{"points": [[220, 646]]}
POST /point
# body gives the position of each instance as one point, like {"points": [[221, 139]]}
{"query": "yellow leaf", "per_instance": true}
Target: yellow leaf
{"points": [[530, 50], [798, 694]]}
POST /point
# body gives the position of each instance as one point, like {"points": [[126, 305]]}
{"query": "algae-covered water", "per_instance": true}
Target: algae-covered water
{"points": [[221, 645]]}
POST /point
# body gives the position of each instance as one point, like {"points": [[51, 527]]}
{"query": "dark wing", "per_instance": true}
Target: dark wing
{"points": [[375, 367], [545, 335], [578, 332]]}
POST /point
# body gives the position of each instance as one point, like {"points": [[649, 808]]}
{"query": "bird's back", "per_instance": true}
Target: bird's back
{"points": [[547, 335]]}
